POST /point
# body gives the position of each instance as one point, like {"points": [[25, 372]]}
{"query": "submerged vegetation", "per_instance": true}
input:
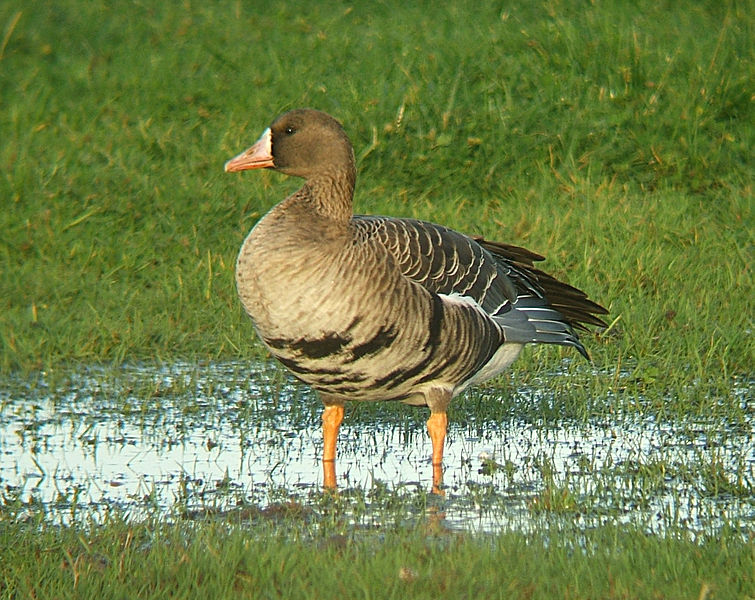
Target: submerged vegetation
{"points": [[615, 139], [187, 441]]}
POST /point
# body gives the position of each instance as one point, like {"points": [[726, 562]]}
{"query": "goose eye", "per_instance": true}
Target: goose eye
{"points": [[290, 130]]}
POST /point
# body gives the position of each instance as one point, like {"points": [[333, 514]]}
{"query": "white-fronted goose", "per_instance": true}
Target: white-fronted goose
{"points": [[377, 308]]}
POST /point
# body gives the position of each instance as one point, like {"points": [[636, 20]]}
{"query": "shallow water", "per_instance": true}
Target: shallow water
{"points": [[191, 440]]}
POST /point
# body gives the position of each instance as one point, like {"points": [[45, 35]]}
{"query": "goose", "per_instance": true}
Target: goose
{"points": [[367, 308]]}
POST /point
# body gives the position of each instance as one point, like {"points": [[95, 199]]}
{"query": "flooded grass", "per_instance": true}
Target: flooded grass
{"points": [[185, 441]]}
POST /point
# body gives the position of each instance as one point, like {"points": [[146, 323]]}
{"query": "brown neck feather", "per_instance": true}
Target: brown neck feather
{"points": [[332, 193]]}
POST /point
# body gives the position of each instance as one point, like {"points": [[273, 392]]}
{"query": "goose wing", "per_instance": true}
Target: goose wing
{"points": [[530, 305]]}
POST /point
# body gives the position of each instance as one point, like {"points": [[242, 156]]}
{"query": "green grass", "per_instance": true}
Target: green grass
{"points": [[208, 560], [615, 138]]}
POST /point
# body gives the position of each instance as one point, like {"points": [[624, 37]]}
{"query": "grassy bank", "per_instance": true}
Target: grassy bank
{"points": [[614, 138]]}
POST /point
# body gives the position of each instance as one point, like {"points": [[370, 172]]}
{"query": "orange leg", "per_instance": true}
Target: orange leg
{"points": [[436, 427], [329, 475], [332, 417]]}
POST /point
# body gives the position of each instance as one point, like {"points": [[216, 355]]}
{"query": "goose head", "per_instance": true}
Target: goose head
{"points": [[304, 143]]}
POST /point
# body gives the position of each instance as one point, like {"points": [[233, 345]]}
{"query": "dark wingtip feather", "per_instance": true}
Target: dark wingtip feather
{"points": [[578, 310]]}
